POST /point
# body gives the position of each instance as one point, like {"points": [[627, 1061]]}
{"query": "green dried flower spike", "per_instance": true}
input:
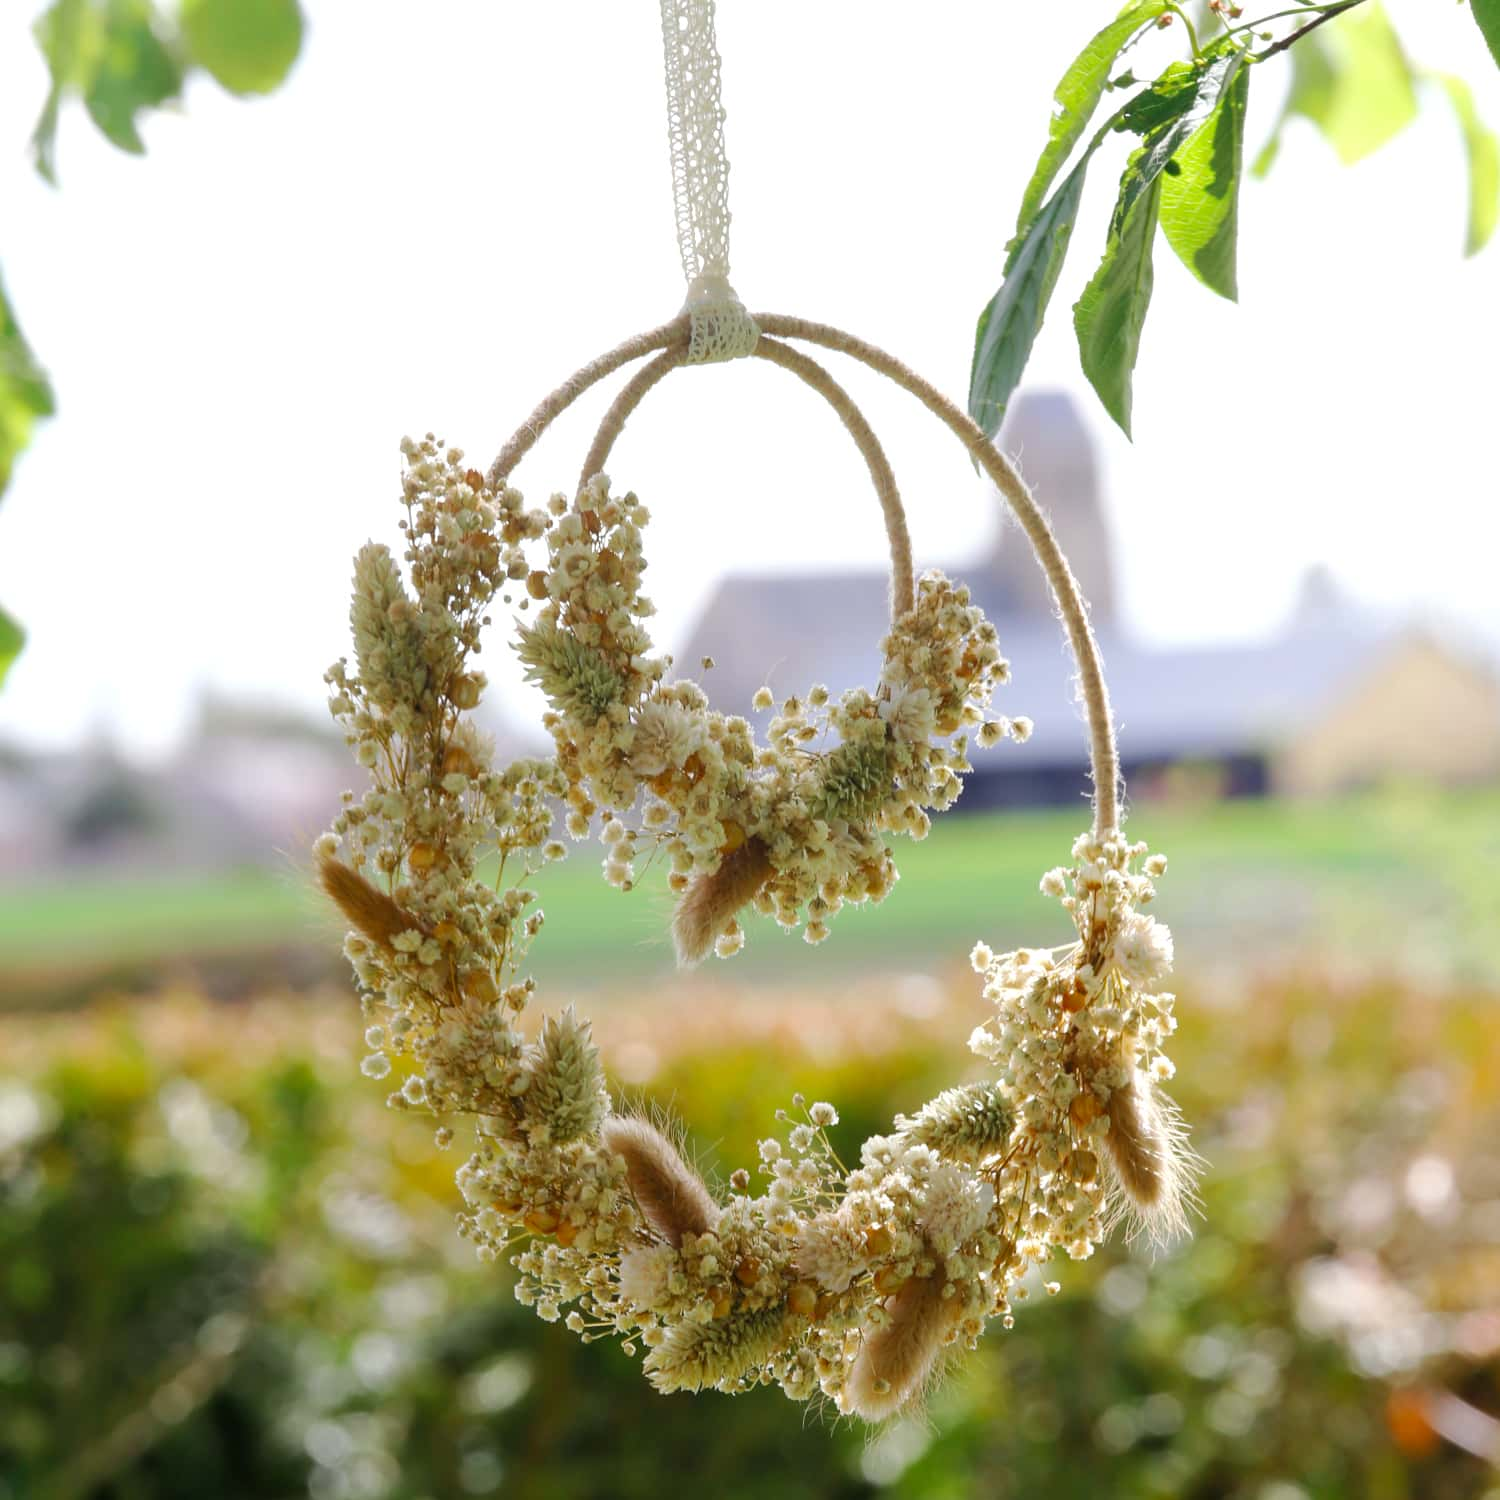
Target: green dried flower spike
{"points": [[963, 1124], [717, 1355], [567, 1097], [575, 677]]}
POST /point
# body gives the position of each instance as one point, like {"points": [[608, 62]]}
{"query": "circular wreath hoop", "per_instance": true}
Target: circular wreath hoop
{"points": [[846, 1282]]}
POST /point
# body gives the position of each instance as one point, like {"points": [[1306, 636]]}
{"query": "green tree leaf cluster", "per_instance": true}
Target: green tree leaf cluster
{"points": [[25, 396], [124, 57], [1351, 79]]}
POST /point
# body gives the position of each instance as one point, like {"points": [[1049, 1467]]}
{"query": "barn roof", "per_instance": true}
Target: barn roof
{"points": [[1170, 703]]}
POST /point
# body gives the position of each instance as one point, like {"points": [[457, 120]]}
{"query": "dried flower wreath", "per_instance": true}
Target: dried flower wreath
{"points": [[833, 1280], [847, 1281]]}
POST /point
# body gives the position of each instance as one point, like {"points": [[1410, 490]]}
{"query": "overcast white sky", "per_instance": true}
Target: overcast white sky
{"points": [[450, 206]]}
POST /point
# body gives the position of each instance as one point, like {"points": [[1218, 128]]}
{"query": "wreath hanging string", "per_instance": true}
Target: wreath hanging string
{"points": [[839, 1280]]}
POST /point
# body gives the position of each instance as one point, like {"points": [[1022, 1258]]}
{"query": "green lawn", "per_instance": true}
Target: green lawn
{"points": [[1402, 871]]}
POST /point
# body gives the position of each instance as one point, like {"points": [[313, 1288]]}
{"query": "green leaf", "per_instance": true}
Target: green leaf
{"points": [[1110, 314], [1352, 80], [1487, 14], [25, 393], [1200, 201], [1184, 102], [1163, 100], [108, 53], [59, 33], [1376, 98], [248, 45], [1008, 326], [1310, 95], [12, 638], [1077, 96], [44, 137], [1483, 152], [133, 71], [1167, 113]]}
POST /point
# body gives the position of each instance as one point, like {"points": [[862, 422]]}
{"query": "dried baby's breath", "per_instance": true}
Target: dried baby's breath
{"points": [[796, 826]]}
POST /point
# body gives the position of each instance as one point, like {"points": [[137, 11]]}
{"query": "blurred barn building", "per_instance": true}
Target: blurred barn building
{"points": [[1336, 700]]}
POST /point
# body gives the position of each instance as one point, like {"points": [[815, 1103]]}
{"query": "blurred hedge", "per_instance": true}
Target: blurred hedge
{"points": [[226, 1270]]}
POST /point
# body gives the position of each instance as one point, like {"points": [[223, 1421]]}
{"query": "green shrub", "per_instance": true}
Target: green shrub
{"points": [[226, 1271]]}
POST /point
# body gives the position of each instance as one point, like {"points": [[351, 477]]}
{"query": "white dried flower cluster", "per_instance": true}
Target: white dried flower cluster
{"points": [[793, 826], [435, 948], [845, 1284], [1078, 1039]]}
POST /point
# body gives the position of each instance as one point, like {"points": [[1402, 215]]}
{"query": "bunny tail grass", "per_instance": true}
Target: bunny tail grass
{"points": [[710, 902], [1153, 1169], [368, 911], [670, 1193], [896, 1359]]}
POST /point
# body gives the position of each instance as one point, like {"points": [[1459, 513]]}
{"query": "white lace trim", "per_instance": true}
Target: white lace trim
{"points": [[722, 329]]}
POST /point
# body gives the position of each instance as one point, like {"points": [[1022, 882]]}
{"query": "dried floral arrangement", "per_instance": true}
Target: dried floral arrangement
{"points": [[826, 1278], [838, 1281]]}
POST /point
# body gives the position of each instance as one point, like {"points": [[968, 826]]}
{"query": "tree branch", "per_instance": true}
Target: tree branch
{"points": [[1286, 41]]}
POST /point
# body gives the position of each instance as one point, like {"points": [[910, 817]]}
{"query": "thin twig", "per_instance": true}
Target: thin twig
{"points": [[1301, 31]]}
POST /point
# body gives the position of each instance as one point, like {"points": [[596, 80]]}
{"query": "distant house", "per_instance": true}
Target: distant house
{"points": [[1335, 700], [252, 787]]}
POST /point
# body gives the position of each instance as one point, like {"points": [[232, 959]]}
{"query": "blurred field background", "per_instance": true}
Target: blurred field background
{"points": [[1402, 878]]}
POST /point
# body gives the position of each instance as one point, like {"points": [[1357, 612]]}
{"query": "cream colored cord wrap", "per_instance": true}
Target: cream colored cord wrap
{"points": [[721, 328]]}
